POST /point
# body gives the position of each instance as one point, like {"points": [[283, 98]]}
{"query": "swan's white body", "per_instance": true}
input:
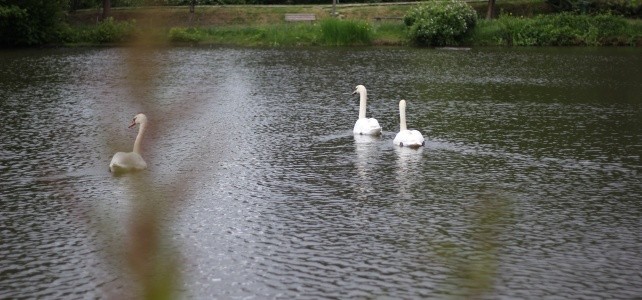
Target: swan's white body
{"points": [[131, 161], [405, 137], [366, 126]]}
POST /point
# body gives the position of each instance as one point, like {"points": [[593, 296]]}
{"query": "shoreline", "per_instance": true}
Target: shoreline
{"points": [[265, 25]]}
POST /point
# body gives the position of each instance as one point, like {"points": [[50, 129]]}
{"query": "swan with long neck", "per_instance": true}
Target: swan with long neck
{"points": [[131, 161], [405, 137], [367, 126]]}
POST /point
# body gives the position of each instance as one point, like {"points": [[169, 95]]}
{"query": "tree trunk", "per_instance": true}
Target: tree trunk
{"points": [[490, 12], [192, 4], [334, 8], [106, 8]]}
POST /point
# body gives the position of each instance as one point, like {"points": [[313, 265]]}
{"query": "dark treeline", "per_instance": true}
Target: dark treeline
{"points": [[31, 22], [626, 8], [84, 4]]}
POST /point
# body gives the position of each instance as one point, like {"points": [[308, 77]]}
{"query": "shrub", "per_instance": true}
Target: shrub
{"points": [[106, 31], [28, 23], [14, 28], [440, 23], [565, 29], [185, 35], [110, 31]]}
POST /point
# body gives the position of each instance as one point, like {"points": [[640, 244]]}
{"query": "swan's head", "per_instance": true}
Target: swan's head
{"points": [[138, 119], [360, 89], [402, 104]]}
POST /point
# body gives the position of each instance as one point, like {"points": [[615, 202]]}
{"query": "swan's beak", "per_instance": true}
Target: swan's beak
{"points": [[354, 92], [132, 124]]}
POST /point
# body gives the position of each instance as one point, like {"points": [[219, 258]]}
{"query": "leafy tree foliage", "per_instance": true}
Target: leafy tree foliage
{"points": [[626, 8], [30, 22]]}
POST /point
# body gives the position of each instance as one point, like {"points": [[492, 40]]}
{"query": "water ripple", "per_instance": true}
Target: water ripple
{"points": [[530, 173]]}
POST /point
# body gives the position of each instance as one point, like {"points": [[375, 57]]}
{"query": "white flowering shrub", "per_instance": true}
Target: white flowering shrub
{"points": [[440, 23]]}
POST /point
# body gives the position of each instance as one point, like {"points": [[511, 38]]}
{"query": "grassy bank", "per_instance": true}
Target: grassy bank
{"points": [[531, 24], [329, 32], [558, 30]]}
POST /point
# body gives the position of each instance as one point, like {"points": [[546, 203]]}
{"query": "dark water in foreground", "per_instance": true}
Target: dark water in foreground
{"points": [[528, 187]]}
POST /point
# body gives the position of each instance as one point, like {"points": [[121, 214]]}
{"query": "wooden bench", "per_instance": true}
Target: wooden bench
{"points": [[300, 17], [388, 18]]}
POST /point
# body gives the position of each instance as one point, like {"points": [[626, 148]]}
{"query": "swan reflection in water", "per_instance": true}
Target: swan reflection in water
{"points": [[409, 167], [366, 150]]}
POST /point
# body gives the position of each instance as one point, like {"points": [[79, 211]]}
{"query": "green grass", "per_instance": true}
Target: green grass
{"points": [[486, 33], [389, 33], [329, 32], [336, 32], [265, 35]]}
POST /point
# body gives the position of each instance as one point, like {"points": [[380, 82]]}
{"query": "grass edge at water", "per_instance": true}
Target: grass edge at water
{"points": [[329, 32]]}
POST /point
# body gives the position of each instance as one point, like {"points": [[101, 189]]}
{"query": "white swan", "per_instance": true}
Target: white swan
{"points": [[131, 161], [405, 137], [367, 126]]}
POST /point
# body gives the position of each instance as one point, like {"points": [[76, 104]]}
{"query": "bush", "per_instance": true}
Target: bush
{"points": [[106, 31], [30, 22], [110, 31], [185, 35], [14, 28], [83, 4], [565, 29], [440, 23]]}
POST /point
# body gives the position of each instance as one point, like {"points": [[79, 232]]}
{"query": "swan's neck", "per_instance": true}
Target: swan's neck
{"points": [[402, 116], [139, 137], [363, 97]]}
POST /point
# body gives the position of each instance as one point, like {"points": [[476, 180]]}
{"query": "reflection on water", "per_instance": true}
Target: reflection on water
{"points": [[409, 166], [528, 185], [366, 149]]}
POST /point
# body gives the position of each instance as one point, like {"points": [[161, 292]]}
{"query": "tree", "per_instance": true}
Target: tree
{"points": [[192, 4], [106, 8], [490, 12], [30, 22]]}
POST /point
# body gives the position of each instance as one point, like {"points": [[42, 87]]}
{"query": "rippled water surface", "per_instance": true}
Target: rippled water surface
{"points": [[528, 187]]}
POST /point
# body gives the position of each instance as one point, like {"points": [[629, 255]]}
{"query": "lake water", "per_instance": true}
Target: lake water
{"points": [[529, 184]]}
